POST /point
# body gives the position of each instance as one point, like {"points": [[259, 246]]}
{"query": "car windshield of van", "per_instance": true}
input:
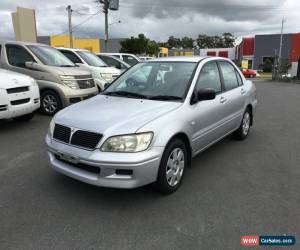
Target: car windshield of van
{"points": [[91, 59], [50, 56], [155, 81]]}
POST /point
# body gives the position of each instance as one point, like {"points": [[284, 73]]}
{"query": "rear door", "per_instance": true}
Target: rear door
{"points": [[233, 96]]}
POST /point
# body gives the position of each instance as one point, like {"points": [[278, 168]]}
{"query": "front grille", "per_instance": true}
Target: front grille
{"points": [[85, 139], [17, 90], [21, 101], [86, 84], [80, 138], [81, 166], [83, 77], [62, 133]]}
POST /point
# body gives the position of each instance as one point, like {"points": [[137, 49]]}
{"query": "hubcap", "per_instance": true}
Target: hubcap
{"points": [[50, 103], [175, 166], [246, 123]]}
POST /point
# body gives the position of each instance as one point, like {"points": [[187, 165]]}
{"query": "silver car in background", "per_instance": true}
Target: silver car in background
{"points": [[151, 121]]}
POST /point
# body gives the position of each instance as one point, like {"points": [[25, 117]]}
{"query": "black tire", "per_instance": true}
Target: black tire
{"points": [[45, 98], [243, 130], [163, 183], [24, 118]]}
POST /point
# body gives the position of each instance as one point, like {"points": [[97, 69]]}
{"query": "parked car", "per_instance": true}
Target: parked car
{"points": [[19, 96], [102, 73], [114, 62], [148, 131], [61, 83], [128, 58], [249, 73], [146, 58]]}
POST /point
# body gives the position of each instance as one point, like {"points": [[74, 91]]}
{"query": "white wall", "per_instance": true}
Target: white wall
{"points": [[231, 52]]}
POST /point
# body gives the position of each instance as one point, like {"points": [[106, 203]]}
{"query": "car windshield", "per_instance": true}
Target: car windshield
{"points": [[154, 80], [50, 56], [91, 59]]}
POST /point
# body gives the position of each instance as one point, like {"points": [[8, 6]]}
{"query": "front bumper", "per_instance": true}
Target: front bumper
{"points": [[116, 170], [74, 96], [9, 110]]}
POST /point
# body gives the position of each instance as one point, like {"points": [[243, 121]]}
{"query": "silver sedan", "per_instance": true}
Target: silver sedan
{"points": [[149, 123]]}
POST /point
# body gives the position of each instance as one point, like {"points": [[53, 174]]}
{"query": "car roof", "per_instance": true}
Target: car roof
{"points": [[23, 43], [70, 49], [178, 59], [185, 59]]}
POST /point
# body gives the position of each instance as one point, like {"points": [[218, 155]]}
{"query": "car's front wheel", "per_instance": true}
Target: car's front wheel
{"points": [[50, 102], [172, 166]]}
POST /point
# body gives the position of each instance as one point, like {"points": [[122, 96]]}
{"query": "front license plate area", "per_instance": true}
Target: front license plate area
{"points": [[68, 158]]}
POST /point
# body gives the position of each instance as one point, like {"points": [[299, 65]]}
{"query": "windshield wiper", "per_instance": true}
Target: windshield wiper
{"points": [[126, 94], [66, 65], [165, 97]]}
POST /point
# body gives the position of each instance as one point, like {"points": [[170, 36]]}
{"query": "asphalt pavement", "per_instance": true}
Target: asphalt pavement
{"points": [[234, 188]]}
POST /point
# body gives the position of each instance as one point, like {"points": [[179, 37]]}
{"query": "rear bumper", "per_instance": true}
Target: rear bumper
{"points": [[116, 170]]}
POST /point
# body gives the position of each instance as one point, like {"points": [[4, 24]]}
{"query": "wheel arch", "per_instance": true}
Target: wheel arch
{"points": [[183, 136]]}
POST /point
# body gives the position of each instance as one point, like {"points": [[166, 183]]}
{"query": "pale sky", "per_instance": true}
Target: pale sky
{"points": [[159, 19]]}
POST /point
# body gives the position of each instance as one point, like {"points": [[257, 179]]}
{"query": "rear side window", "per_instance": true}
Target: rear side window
{"points": [[239, 78], [209, 78], [130, 60], [72, 57], [17, 56], [111, 62], [0, 50], [229, 75]]}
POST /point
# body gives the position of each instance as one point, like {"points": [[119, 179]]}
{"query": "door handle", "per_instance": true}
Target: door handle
{"points": [[243, 91], [223, 99]]}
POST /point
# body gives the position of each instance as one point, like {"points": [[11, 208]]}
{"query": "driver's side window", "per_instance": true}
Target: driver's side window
{"points": [[17, 56], [209, 78]]}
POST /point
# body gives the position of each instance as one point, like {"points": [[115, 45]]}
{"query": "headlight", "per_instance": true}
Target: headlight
{"points": [[106, 76], [51, 128], [69, 81], [127, 143]]}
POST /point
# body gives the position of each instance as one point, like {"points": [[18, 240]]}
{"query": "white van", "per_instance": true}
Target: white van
{"points": [[101, 72], [19, 96]]}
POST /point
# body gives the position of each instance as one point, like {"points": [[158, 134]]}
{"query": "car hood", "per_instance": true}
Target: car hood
{"points": [[113, 115], [9, 79], [74, 71]]}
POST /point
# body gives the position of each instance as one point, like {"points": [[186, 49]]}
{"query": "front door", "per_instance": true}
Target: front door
{"points": [[207, 116]]}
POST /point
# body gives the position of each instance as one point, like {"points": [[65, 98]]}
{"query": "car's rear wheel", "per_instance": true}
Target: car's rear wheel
{"points": [[172, 166], [50, 102], [245, 125]]}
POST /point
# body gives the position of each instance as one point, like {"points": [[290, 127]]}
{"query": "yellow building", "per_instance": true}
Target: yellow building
{"points": [[183, 53], [92, 44], [24, 25], [163, 52]]}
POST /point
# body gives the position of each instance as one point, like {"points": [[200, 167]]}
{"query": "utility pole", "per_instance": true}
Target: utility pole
{"points": [[69, 9], [105, 11], [280, 46]]}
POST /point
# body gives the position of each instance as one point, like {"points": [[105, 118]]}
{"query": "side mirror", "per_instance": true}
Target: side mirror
{"points": [[34, 66], [203, 95], [206, 94]]}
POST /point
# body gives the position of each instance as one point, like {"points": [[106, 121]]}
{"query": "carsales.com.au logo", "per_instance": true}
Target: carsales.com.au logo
{"points": [[255, 240]]}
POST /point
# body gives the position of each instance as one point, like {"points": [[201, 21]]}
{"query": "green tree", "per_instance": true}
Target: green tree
{"points": [[228, 40], [187, 42], [139, 45]]}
